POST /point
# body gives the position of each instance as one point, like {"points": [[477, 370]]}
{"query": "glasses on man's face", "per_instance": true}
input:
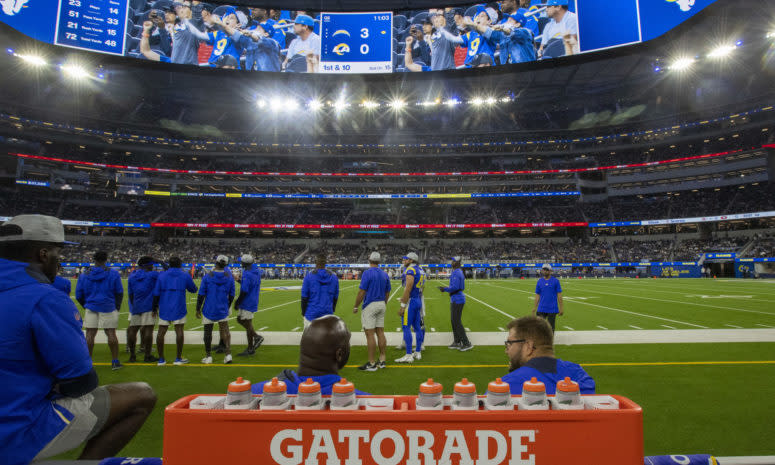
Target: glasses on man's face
{"points": [[508, 342]]}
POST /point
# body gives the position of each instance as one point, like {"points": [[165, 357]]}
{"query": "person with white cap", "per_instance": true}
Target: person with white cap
{"points": [[51, 401], [548, 300], [374, 292], [457, 283], [216, 293], [246, 304], [411, 307]]}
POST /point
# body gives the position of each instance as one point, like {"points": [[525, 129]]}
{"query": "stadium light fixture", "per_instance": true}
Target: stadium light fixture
{"points": [[291, 104], [261, 103], [771, 34], [722, 51], [74, 71], [369, 104], [315, 104], [33, 60], [476, 101], [505, 100], [682, 64], [491, 100], [452, 102], [276, 104], [340, 105], [397, 104]]}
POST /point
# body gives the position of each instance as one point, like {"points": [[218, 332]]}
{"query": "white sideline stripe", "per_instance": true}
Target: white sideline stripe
{"points": [[620, 310], [602, 327], [683, 302], [468, 329], [441, 339], [764, 326], [668, 326], [733, 326], [433, 330], [296, 328], [504, 329], [635, 327], [753, 460], [491, 307], [685, 290], [569, 328], [263, 328]]}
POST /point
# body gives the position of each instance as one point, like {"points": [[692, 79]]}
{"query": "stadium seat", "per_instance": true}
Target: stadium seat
{"points": [[400, 21], [132, 43], [162, 4], [135, 31], [221, 10], [297, 64], [137, 4], [418, 19], [398, 59], [471, 11], [554, 48]]}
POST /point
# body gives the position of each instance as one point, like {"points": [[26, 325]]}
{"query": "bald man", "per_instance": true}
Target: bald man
{"points": [[324, 350]]}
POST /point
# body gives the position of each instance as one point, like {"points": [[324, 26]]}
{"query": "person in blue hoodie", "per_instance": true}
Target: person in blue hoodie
{"points": [[100, 293], [513, 38], [51, 401], [169, 302], [63, 284], [530, 348], [319, 292], [457, 284], [247, 302], [323, 351], [142, 318], [216, 293]]}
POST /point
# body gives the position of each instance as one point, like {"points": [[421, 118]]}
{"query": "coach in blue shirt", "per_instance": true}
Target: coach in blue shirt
{"points": [[216, 293], [50, 401], [374, 292], [142, 318], [530, 349], [548, 301], [319, 292], [63, 284], [247, 302], [169, 301], [457, 283]]}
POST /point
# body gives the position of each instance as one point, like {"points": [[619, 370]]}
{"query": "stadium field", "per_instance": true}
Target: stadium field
{"points": [[590, 305], [698, 398]]}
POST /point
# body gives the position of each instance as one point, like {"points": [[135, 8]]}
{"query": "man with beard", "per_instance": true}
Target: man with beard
{"points": [[530, 349]]}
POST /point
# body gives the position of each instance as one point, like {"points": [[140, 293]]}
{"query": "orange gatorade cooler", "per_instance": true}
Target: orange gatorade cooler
{"points": [[275, 395], [430, 397], [533, 396], [568, 395], [343, 396], [464, 396], [498, 395]]}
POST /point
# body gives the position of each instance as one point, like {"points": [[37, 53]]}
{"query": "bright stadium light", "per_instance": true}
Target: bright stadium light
{"points": [[505, 100], [771, 34], [491, 100], [261, 103], [477, 101], [369, 104], [721, 51], [276, 104], [452, 102], [315, 104], [682, 64], [340, 105], [397, 104], [74, 71], [33, 60], [291, 104]]}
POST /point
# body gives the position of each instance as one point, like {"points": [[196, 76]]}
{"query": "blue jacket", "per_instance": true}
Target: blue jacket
{"points": [[549, 370], [41, 343], [263, 55], [218, 289], [98, 289], [320, 288], [457, 283], [140, 288], [63, 284], [292, 381], [170, 288], [250, 286], [516, 47]]}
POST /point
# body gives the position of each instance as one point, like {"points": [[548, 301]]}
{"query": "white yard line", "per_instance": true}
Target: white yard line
{"points": [[668, 326], [635, 327], [764, 326], [684, 292], [491, 307], [433, 330], [733, 326], [618, 310], [568, 328], [602, 327], [504, 329], [296, 328], [263, 328]]}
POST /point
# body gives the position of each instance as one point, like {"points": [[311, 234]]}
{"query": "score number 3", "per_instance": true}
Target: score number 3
{"points": [[364, 35]]}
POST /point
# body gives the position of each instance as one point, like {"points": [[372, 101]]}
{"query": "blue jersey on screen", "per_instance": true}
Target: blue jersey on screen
{"points": [[222, 45], [419, 280], [140, 290], [98, 289], [376, 283], [218, 289], [63, 284], [42, 343], [477, 45], [548, 289], [549, 370], [170, 288], [250, 286]]}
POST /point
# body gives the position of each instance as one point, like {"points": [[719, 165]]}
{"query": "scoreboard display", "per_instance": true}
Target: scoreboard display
{"points": [[96, 25], [356, 42]]}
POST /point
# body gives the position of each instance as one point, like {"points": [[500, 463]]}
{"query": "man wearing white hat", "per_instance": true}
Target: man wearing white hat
{"points": [[51, 401], [246, 304], [548, 301], [216, 293], [374, 293]]}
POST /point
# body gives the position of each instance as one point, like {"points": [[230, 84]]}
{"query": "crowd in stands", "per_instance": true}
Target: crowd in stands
{"points": [[764, 246]]}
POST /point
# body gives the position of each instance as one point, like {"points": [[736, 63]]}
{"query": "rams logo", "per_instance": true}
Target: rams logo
{"points": [[341, 49], [11, 7], [685, 5], [340, 31]]}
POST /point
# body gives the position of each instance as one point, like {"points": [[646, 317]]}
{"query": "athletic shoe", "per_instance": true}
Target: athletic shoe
{"points": [[408, 358], [465, 347], [368, 366], [161, 362], [247, 352], [417, 355], [454, 345], [180, 361], [116, 365], [258, 342], [149, 359], [227, 359], [132, 359], [207, 360], [381, 364]]}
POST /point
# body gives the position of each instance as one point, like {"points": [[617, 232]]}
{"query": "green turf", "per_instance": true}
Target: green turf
{"points": [[720, 409], [591, 304]]}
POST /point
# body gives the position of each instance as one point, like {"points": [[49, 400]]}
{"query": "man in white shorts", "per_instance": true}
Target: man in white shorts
{"points": [[141, 315], [100, 293], [216, 293], [247, 302], [374, 293], [169, 301]]}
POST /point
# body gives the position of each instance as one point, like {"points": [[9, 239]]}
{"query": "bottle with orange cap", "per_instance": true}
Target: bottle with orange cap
{"points": [[275, 395], [498, 395], [568, 395], [533, 396], [343, 396], [309, 397], [239, 395], [464, 396], [430, 397]]}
